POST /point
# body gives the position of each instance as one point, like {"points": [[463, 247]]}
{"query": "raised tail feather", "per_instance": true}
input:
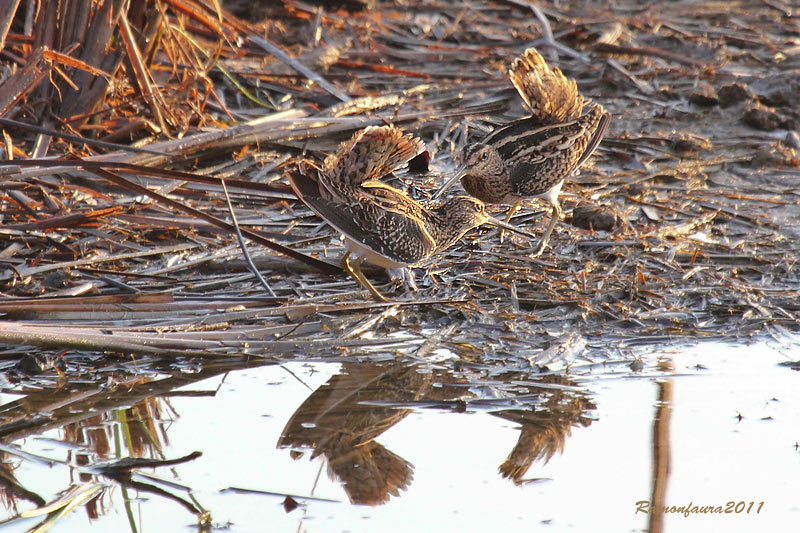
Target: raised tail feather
{"points": [[550, 96], [370, 154]]}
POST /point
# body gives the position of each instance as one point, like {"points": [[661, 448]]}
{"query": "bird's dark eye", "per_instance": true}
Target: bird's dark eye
{"points": [[484, 156]]}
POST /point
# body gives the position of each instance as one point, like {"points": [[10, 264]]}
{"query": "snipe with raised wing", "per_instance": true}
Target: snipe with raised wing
{"points": [[530, 157], [381, 224]]}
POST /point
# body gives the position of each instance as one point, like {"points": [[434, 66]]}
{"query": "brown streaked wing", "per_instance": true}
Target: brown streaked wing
{"points": [[391, 199], [597, 136], [302, 182], [513, 129], [370, 154], [526, 136], [380, 217], [558, 156], [393, 235]]}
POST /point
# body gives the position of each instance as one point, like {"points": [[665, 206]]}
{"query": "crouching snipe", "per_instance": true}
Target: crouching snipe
{"points": [[381, 224]]}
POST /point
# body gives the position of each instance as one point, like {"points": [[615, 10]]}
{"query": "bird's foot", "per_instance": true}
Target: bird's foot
{"points": [[403, 278], [539, 249]]}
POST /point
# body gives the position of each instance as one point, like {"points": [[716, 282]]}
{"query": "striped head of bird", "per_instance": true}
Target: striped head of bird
{"points": [[482, 173], [458, 215]]}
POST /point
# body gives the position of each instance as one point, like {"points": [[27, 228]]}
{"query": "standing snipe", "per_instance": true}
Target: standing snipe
{"points": [[381, 224], [531, 156]]}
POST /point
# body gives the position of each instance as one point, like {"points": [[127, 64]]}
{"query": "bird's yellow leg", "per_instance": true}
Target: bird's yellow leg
{"points": [[354, 269], [508, 217], [555, 215]]}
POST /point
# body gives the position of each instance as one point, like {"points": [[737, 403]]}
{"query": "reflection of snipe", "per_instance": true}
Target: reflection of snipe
{"points": [[370, 473], [544, 430], [337, 425], [531, 156], [381, 224]]}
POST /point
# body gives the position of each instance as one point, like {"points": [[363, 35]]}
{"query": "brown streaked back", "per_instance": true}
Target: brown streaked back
{"points": [[552, 156], [384, 223]]}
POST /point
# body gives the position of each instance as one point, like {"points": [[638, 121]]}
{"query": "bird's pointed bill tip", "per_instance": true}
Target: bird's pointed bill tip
{"points": [[510, 227], [450, 181]]}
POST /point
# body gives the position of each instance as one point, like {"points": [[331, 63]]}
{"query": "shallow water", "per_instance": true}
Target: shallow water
{"points": [[422, 448]]}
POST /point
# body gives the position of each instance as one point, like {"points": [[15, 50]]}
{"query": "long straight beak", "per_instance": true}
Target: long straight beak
{"points": [[500, 224], [449, 183]]}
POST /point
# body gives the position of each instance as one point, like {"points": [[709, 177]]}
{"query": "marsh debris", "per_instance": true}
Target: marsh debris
{"points": [[116, 237]]}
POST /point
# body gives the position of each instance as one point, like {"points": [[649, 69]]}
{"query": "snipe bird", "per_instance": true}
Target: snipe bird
{"points": [[530, 157], [381, 224]]}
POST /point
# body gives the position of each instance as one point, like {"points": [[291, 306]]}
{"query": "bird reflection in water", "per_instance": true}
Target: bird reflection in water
{"points": [[544, 429], [340, 422], [338, 426]]}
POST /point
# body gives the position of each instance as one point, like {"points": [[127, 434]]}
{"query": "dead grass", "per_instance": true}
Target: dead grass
{"points": [[116, 238]]}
